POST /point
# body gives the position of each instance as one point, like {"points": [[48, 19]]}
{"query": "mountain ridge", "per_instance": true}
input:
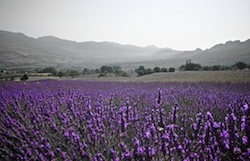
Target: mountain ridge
{"points": [[19, 50]]}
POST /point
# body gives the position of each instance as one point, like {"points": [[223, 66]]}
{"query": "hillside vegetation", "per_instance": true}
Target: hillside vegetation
{"points": [[19, 50]]}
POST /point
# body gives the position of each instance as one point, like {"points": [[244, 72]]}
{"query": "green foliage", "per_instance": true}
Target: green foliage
{"points": [[73, 73], [97, 70], [190, 66], [104, 70], [141, 71], [24, 77], [85, 71], [164, 69], [171, 69], [12, 78], [124, 74], [60, 74], [142, 68], [225, 67], [51, 70], [149, 71], [206, 68], [102, 75], [121, 73], [116, 68], [107, 69], [215, 67], [156, 69], [240, 65]]}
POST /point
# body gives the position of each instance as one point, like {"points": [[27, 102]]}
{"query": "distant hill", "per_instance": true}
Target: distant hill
{"points": [[19, 50], [222, 54]]}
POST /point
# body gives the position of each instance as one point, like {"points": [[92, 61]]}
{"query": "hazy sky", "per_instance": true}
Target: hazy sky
{"points": [[179, 24]]}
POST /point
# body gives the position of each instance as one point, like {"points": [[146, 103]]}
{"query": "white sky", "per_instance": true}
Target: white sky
{"points": [[178, 24]]}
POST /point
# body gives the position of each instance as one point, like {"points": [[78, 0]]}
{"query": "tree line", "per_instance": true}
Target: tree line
{"points": [[103, 71], [144, 71], [106, 71], [189, 66]]}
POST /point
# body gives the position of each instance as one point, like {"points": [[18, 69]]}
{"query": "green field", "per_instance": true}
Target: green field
{"points": [[179, 76], [199, 76]]}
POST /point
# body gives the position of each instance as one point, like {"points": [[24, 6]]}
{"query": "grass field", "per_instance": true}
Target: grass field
{"points": [[178, 76], [183, 76], [198, 76]]}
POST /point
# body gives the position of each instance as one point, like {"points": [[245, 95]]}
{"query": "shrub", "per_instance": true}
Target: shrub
{"points": [[164, 69], [240, 65], [216, 67], [24, 77], [157, 69], [171, 69]]}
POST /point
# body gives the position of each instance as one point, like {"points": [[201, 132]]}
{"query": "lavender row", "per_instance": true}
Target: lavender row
{"points": [[76, 120]]}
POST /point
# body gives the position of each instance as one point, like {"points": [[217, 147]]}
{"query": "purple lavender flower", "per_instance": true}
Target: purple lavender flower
{"points": [[127, 155]]}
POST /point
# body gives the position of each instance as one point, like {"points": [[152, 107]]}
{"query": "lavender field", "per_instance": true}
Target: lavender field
{"points": [[80, 120]]}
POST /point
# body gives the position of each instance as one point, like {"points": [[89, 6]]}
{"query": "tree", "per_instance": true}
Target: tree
{"points": [[149, 71], [60, 74], [182, 67], [141, 71], [206, 68], [164, 69], [215, 67], [192, 66], [156, 69], [85, 71], [107, 69], [51, 70], [104, 68], [241, 65], [104, 74], [73, 73], [97, 71], [24, 77], [117, 70], [171, 69], [124, 74], [141, 68]]}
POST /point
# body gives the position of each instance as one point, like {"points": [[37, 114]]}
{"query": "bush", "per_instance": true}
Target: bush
{"points": [[51, 70], [164, 70], [73, 73], [157, 69], [102, 75], [216, 67], [24, 77], [171, 69], [241, 65], [149, 71], [141, 71], [60, 74], [206, 68]]}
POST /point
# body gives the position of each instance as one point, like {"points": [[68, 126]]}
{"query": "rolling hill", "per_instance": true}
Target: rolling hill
{"points": [[19, 50]]}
